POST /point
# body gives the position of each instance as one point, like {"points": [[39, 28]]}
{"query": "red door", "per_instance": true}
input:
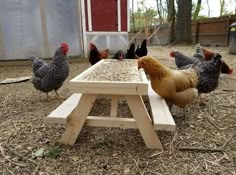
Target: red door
{"points": [[104, 15]]}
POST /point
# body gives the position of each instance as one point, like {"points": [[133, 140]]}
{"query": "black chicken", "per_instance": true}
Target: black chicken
{"points": [[130, 52], [48, 77], [94, 55], [119, 55], [142, 51]]}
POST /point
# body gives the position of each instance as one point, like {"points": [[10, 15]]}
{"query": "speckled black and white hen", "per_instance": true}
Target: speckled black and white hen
{"points": [[208, 74], [48, 77]]}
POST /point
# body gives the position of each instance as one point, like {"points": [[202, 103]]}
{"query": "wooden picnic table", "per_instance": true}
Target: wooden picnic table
{"points": [[74, 112]]}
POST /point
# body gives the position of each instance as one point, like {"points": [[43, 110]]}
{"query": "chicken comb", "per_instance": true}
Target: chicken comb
{"points": [[92, 46], [64, 45], [172, 54]]}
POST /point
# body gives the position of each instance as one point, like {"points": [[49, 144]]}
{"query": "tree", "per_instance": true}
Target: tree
{"points": [[197, 10], [183, 32], [209, 10], [222, 5], [171, 19], [159, 11]]}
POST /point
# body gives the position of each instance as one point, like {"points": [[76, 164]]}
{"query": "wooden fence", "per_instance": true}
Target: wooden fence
{"points": [[213, 31]]}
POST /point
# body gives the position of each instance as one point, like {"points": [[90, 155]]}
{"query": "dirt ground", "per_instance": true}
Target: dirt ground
{"points": [[29, 145]]}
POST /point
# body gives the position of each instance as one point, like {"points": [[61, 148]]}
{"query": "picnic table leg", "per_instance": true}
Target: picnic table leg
{"points": [[78, 118], [114, 105], [143, 121]]}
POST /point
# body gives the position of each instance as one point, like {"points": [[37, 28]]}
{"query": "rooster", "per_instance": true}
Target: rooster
{"points": [[177, 87], [48, 77], [95, 55], [142, 51]]}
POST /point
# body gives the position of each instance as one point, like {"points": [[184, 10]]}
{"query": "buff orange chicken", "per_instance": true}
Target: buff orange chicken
{"points": [[177, 87]]}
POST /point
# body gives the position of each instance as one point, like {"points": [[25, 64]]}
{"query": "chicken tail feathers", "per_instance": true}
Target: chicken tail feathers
{"points": [[199, 53], [33, 58]]}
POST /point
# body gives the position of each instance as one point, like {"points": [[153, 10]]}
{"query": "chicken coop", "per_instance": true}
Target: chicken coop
{"points": [[38, 27]]}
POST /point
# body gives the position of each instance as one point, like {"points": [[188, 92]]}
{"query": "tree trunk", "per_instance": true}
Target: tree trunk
{"points": [[183, 26], [209, 10], [171, 19], [159, 10], [197, 10], [222, 5]]}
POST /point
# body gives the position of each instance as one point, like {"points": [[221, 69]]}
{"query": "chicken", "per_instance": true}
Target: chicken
{"points": [[177, 87], [104, 54], [208, 54], [130, 52], [119, 55], [224, 67], [48, 77], [200, 55], [208, 74], [183, 60], [95, 55], [142, 51]]}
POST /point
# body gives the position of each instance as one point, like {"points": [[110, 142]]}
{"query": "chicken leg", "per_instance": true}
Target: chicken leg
{"points": [[58, 96]]}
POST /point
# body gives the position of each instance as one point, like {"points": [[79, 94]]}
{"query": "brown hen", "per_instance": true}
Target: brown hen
{"points": [[177, 87]]}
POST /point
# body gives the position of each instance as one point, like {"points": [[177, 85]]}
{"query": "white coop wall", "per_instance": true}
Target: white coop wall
{"points": [[112, 40]]}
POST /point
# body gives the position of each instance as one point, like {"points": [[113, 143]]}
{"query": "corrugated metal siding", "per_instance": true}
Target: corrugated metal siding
{"points": [[21, 29]]}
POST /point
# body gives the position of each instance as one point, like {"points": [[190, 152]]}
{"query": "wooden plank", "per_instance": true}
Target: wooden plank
{"points": [[44, 28], [154, 33], [143, 75], [196, 32], [143, 122], [162, 117], [77, 118], [110, 122], [60, 114], [114, 105], [15, 80], [117, 88], [132, 39]]}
